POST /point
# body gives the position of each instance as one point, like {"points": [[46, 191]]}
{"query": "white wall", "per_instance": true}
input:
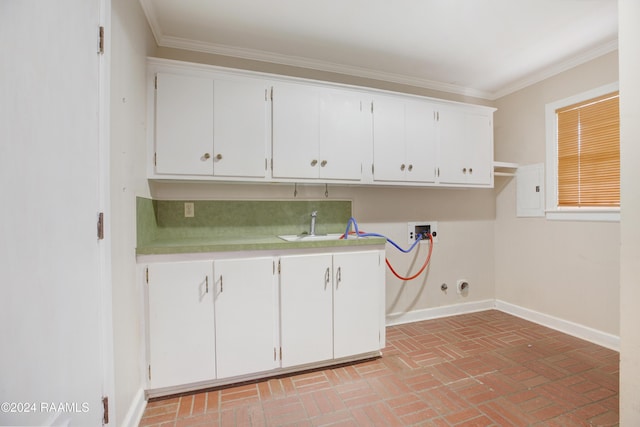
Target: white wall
{"points": [[629, 35], [465, 226], [131, 43], [568, 270]]}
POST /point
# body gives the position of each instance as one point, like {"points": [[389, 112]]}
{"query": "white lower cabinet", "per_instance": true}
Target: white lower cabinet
{"points": [[224, 320], [306, 321], [331, 306], [246, 316], [358, 295], [181, 319]]}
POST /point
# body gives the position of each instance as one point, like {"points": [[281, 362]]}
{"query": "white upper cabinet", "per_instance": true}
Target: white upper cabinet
{"points": [[211, 126], [296, 131], [465, 146], [404, 140], [241, 125], [183, 125], [318, 132], [211, 123], [345, 134]]}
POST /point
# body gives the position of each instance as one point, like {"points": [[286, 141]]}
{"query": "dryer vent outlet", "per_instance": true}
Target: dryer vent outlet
{"points": [[462, 286]]}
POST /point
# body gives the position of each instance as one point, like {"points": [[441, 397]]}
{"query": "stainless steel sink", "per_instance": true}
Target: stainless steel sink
{"points": [[309, 237]]}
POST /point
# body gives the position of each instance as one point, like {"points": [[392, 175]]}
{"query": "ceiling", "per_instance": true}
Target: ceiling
{"points": [[480, 48]]}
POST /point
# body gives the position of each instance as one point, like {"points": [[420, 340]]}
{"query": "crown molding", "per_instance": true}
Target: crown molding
{"points": [[557, 68], [296, 61]]}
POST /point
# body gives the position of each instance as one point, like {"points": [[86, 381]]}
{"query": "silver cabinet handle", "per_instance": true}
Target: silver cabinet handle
{"points": [[206, 281], [221, 287], [327, 277], [323, 163], [402, 166], [314, 162], [338, 277], [206, 156], [410, 168], [219, 156]]}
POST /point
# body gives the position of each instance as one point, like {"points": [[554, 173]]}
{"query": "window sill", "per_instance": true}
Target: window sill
{"points": [[603, 215]]}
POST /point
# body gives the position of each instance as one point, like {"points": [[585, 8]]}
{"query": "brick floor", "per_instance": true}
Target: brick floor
{"points": [[479, 369]]}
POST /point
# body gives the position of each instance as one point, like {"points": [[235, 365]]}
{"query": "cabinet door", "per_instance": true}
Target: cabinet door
{"points": [[305, 309], [295, 131], [388, 140], [358, 281], [420, 140], [343, 134], [181, 323], [183, 125], [245, 307], [240, 128], [479, 129], [404, 140], [465, 147]]}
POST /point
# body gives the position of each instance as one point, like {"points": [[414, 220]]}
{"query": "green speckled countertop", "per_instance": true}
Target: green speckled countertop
{"points": [[230, 226], [246, 243]]}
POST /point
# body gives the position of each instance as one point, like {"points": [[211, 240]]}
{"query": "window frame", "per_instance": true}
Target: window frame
{"points": [[553, 211]]}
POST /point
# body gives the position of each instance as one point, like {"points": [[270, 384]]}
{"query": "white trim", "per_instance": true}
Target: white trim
{"points": [[584, 215], [574, 329], [553, 212], [569, 63], [437, 312], [104, 176], [136, 410], [586, 333]]}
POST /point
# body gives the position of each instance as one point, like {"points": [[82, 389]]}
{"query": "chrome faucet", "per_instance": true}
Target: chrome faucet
{"points": [[312, 229]]}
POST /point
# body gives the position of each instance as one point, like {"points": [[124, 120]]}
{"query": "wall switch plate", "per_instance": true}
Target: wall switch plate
{"points": [[189, 211]]}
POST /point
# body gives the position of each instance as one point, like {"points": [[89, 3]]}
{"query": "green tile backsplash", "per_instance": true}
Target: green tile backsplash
{"points": [[165, 220]]}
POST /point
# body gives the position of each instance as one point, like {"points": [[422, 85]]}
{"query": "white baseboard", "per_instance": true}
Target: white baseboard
{"points": [[595, 336], [437, 312], [136, 410]]}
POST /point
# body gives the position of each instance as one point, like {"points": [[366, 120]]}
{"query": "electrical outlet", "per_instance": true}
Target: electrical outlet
{"points": [[416, 228], [189, 211]]}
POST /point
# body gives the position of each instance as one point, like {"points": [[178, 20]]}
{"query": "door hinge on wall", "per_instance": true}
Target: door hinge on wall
{"points": [[101, 40], [105, 408], [100, 226]]}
